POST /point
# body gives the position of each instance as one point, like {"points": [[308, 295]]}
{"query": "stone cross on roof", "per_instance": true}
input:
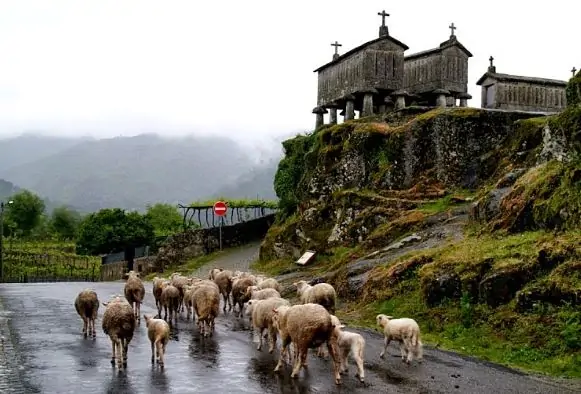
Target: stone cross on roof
{"points": [[452, 28], [383, 14], [491, 68], [336, 45], [383, 30], [573, 70]]}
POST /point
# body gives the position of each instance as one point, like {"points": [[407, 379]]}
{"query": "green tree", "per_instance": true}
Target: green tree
{"points": [[64, 223], [112, 230], [25, 211], [165, 218]]}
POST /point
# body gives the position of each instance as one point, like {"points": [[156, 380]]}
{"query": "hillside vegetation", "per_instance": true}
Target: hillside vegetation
{"points": [[464, 219]]}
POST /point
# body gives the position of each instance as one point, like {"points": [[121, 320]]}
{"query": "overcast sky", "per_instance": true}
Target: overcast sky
{"points": [[119, 67]]}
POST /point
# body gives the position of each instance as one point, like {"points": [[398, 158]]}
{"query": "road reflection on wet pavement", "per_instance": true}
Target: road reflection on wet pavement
{"points": [[44, 351]]}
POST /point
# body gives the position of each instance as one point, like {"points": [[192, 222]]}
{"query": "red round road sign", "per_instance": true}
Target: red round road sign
{"points": [[220, 208]]}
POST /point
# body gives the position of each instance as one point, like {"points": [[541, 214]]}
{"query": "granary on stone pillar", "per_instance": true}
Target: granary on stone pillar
{"points": [[361, 78], [519, 93], [444, 68]]}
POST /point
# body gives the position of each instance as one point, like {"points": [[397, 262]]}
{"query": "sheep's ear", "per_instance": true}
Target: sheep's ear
{"points": [[295, 284], [105, 303], [341, 326], [389, 317]]}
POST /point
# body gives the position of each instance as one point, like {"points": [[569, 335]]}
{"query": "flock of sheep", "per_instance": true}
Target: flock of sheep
{"points": [[307, 325]]}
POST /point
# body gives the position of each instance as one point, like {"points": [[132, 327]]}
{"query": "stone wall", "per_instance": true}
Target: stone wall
{"points": [[115, 271], [194, 243]]}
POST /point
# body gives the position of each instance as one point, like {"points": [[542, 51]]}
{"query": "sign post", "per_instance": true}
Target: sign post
{"points": [[220, 209]]}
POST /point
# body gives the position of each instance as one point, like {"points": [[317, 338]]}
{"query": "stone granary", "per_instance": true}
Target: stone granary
{"points": [[375, 77], [439, 76], [362, 77], [515, 92]]}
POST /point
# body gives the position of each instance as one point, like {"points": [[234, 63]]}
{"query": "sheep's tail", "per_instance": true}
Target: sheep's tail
{"points": [[137, 296]]}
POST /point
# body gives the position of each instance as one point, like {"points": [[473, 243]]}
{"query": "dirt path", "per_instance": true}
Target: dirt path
{"points": [[235, 259]]}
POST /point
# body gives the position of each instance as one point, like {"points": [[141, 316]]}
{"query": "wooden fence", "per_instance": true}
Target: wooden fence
{"points": [[23, 267]]}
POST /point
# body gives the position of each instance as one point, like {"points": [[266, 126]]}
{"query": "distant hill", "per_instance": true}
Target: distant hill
{"points": [[256, 183], [29, 147], [130, 172]]}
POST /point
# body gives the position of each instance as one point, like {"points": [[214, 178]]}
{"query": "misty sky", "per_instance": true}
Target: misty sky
{"points": [[244, 68]]}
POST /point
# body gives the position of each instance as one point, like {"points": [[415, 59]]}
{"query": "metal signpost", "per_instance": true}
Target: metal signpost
{"points": [[220, 209]]}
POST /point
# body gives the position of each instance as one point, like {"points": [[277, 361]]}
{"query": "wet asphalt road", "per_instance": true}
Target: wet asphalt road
{"points": [[44, 352]]}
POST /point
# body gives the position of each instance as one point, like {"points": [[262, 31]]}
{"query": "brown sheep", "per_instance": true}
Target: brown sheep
{"points": [[306, 326], [206, 302], [158, 333], [134, 292], [224, 281], [178, 281], [157, 288], [119, 324], [170, 300], [214, 272], [87, 306], [239, 287]]}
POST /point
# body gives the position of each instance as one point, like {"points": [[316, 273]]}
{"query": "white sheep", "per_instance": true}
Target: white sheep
{"points": [[262, 312], [349, 343], [268, 283], [322, 293], [404, 330]]}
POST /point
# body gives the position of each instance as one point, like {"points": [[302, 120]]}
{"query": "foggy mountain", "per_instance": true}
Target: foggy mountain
{"points": [[130, 172]]}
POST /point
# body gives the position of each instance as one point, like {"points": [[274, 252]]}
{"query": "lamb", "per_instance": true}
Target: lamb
{"points": [[119, 324], [157, 288], [262, 312], [306, 326], [87, 306], [349, 343], [322, 293], [239, 287], [170, 300], [224, 281], [269, 283], [404, 330], [158, 333], [206, 303], [134, 292]]}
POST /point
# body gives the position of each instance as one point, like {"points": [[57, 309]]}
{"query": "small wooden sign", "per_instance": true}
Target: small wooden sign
{"points": [[306, 257]]}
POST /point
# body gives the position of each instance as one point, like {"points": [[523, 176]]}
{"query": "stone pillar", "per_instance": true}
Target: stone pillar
{"points": [[350, 107], [389, 104], [332, 112], [332, 115], [400, 96], [367, 109], [319, 111], [441, 95], [367, 104], [464, 97]]}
